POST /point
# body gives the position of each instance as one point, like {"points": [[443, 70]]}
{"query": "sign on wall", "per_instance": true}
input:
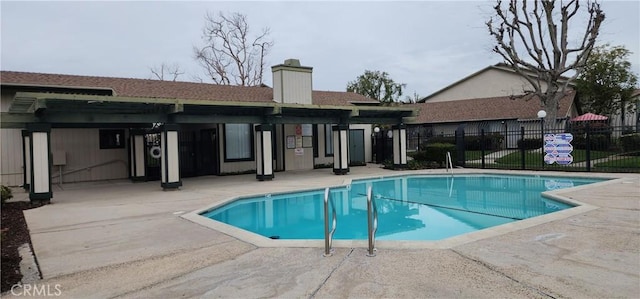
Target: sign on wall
{"points": [[558, 148]]}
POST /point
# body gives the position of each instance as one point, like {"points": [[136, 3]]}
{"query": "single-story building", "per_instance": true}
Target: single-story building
{"points": [[65, 128], [631, 117], [492, 99], [504, 115]]}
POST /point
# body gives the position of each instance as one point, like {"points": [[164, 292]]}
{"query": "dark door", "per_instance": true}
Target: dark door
{"points": [[382, 146], [356, 147], [208, 156], [187, 152]]}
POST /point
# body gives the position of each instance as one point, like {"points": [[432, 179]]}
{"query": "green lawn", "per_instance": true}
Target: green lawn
{"points": [[626, 162], [535, 158], [475, 155]]}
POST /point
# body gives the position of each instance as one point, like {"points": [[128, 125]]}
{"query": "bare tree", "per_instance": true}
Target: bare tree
{"points": [[229, 55], [166, 72], [531, 43]]}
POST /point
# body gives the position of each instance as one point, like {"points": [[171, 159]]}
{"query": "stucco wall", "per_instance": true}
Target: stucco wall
{"points": [[490, 83], [11, 158], [85, 160], [295, 161]]}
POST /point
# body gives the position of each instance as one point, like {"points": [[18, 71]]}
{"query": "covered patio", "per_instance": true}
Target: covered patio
{"points": [[60, 128]]}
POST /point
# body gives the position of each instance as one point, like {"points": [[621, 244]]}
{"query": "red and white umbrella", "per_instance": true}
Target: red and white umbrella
{"points": [[589, 117]]}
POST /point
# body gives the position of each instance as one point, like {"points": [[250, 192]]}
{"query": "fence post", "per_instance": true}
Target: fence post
{"points": [[588, 139], [460, 146], [482, 146], [522, 160]]}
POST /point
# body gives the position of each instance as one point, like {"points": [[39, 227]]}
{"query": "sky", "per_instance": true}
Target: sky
{"points": [[426, 45]]}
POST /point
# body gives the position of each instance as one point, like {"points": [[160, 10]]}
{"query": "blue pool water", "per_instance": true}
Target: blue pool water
{"points": [[409, 207]]}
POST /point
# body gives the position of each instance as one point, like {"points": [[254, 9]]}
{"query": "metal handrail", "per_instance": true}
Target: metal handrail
{"points": [[328, 234], [449, 164], [372, 222], [87, 168]]}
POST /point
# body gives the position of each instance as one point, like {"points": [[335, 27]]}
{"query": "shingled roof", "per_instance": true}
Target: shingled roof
{"points": [[146, 88], [505, 107]]}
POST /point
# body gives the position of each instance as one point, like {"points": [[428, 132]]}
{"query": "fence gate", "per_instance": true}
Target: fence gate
{"points": [[152, 155], [382, 144]]}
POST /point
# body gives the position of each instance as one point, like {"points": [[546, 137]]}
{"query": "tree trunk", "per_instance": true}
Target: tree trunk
{"points": [[550, 105]]}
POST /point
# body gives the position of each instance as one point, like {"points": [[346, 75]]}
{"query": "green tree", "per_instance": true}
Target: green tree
{"points": [[607, 82], [533, 37], [377, 85]]}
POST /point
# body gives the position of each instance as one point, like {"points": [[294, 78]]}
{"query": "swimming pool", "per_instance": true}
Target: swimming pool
{"points": [[419, 207]]}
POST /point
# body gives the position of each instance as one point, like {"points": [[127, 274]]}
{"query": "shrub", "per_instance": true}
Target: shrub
{"points": [[325, 165], [630, 142], [529, 144], [626, 130], [492, 141], [437, 152], [6, 193], [387, 164], [419, 156], [442, 139], [412, 164], [597, 142]]}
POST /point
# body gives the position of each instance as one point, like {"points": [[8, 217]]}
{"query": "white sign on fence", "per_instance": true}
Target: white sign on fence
{"points": [[558, 148]]}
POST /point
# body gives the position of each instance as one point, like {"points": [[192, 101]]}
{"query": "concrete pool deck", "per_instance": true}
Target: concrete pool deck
{"points": [[122, 239]]}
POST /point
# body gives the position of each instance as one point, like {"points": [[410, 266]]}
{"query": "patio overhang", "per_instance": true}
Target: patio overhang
{"points": [[73, 110]]}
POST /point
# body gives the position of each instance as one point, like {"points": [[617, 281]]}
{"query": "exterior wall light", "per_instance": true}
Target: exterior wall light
{"points": [[542, 114]]}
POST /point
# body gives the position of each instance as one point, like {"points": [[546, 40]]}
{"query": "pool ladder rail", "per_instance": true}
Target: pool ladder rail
{"points": [[328, 233], [449, 164], [372, 222]]}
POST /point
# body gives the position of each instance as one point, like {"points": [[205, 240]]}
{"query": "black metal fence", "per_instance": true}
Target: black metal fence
{"points": [[588, 147]]}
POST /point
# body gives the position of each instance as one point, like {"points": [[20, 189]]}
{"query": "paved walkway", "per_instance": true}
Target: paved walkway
{"points": [[126, 240], [491, 158]]}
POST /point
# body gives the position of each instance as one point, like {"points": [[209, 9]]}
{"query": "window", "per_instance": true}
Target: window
{"points": [[111, 139], [315, 140], [328, 141], [238, 142]]}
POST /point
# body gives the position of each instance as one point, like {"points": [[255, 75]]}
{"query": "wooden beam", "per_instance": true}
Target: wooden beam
{"points": [[410, 120], [102, 118], [16, 121], [374, 120], [275, 111], [216, 119], [39, 106], [176, 108]]}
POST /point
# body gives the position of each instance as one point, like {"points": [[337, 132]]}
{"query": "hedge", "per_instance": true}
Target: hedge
{"points": [[471, 143], [630, 142], [435, 152], [529, 144], [597, 142]]}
